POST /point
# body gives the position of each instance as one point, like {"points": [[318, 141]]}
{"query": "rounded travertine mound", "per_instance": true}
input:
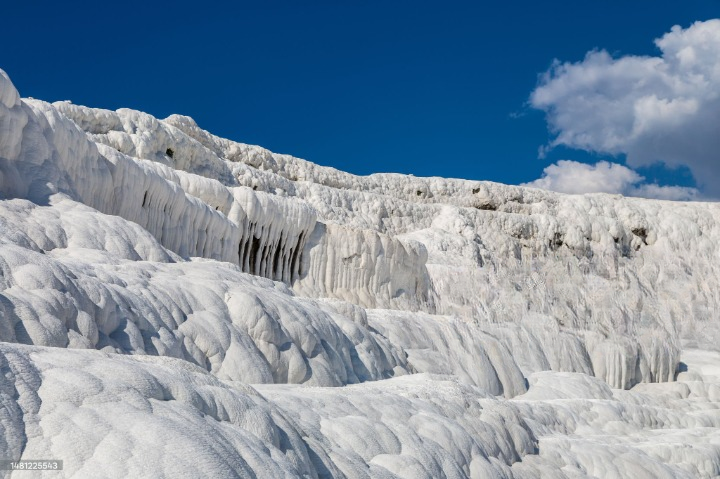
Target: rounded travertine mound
{"points": [[9, 96]]}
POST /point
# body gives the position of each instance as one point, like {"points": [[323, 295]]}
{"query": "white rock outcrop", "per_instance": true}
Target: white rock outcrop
{"points": [[390, 326]]}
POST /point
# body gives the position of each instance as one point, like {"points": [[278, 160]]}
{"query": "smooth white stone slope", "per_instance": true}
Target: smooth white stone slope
{"points": [[438, 327], [620, 280]]}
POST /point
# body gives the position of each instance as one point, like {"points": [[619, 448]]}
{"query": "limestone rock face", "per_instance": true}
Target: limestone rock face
{"points": [[390, 326]]}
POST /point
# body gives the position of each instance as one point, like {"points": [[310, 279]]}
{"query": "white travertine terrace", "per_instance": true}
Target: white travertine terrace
{"points": [[390, 326]]}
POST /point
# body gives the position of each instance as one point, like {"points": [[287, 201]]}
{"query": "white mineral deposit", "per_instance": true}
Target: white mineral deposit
{"points": [[175, 304]]}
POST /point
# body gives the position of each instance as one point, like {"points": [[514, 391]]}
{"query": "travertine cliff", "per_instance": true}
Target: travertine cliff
{"points": [[198, 265]]}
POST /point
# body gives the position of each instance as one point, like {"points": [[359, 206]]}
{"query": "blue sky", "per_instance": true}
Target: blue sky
{"points": [[428, 88]]}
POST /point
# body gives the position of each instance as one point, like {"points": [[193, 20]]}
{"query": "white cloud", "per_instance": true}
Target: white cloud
{"points": [[664, 108], [678, 193], [604, 177]]}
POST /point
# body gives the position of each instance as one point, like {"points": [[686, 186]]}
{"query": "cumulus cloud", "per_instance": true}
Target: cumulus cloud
{"points": [[573, 177], [651, 108]]}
